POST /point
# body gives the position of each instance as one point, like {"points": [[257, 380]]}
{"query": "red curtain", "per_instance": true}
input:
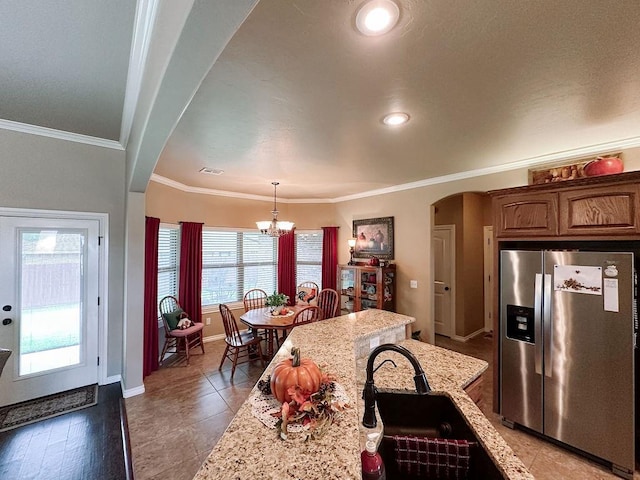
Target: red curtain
{"points": [[329, 257], [191, 270], [150, 349], [287, 265]]}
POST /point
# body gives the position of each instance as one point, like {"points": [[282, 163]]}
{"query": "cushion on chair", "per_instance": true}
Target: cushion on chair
{"points": [[183, 332], [306, 296], [173, 318]]}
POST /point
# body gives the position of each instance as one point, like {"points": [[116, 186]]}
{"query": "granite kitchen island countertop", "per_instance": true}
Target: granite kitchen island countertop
{"points": [[250, 450]]}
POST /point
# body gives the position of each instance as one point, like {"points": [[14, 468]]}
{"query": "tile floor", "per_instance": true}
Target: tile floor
{"points": [[185, 410], [183, 413]]}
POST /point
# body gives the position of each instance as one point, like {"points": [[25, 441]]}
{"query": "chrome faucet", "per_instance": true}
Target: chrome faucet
{"points": [[370, 391]]}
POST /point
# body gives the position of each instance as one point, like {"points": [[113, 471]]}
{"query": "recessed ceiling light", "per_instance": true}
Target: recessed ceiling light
{"points": [[395, 119], [211, 171], [377, 17]]}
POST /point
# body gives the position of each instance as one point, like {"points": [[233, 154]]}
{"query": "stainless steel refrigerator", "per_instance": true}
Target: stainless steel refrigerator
{"points": [[567, 345]]}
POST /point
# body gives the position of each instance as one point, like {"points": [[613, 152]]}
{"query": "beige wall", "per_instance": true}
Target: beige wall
{"points": [[172, 206], [467, 212], [473, 267], [411, 210]]}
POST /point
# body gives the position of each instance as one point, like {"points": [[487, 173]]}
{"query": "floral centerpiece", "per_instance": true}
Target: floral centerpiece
{"points": [[310, 398], [276, 302]]}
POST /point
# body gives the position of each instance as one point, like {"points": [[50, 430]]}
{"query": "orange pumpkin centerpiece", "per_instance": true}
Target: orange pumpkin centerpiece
{"points": [[295, 371]]}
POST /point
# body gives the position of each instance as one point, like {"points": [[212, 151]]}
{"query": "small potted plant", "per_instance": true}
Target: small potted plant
{"points": [[276, 302]]}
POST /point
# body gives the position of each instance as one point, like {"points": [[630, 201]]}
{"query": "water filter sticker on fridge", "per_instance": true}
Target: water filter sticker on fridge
{"points": [[577, 279]]}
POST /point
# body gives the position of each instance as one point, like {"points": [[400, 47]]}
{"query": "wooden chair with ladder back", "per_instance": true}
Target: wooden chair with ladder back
{"points": [[254, 298], [328, 302], [182, 340], [238, 345]]}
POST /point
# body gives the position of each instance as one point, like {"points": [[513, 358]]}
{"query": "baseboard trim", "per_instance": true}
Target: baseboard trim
{"points": [[131, 392], [213, 338], [458, 338], [112, 379]]}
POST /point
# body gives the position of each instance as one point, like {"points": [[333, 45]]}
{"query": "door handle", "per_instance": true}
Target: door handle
{"points": [[446, 289], [537, 323], [6, 308], [547, 320], [7, 321]]}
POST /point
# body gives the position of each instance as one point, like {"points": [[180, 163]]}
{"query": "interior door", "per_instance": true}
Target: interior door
{"points": [[443, 240], [49, 270]]}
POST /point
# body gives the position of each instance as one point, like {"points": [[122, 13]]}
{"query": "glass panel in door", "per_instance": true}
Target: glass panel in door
{"points": [[51, 270]]}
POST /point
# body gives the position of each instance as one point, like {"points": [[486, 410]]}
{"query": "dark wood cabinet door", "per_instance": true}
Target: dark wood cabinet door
{"points": [[528, 215], [610, 210]]}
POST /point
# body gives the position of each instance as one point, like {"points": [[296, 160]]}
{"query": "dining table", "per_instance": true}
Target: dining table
{"points": [[261, 319]]}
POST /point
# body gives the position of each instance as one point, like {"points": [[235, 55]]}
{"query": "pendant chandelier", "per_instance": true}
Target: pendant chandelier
{"points": [[274, 227]]}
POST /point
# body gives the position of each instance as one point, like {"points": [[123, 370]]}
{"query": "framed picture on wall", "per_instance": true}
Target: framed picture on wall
{"points": [[374, 238]]}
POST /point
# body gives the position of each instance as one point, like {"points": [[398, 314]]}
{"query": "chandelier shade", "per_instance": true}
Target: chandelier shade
{"points": [[274, 227]]}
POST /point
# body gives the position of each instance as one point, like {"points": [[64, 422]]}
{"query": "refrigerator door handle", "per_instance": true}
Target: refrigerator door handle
{"points": [[547, 325], [537, 323]]}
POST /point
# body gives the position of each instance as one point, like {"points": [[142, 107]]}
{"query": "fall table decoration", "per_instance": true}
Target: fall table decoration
{"points": [[299, 398]]}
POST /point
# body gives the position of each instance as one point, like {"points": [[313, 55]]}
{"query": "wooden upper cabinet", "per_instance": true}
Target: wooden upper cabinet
{"points": [[526, 215], [592, 207], [610, 210]]}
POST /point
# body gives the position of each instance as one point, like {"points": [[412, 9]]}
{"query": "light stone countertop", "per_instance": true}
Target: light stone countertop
{"points": [[250, 450]]}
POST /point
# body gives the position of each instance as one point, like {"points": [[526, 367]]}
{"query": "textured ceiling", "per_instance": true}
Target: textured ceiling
{"points": [[64, 63], [298, 95]]}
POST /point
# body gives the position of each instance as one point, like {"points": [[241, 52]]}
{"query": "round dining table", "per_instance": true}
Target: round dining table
{"points": [[261, 319]]}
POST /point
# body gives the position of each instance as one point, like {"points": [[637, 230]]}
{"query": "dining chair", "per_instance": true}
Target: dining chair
{"points": [[309, 314], [181, 340], [328, 302], [254, 298], [238, 345], [307, 293]]}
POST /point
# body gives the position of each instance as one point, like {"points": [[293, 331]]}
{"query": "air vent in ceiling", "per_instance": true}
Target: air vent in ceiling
{"points": [[211, 171]]}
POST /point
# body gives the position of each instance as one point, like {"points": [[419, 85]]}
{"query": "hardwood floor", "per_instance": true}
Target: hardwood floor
{"points": [[545, 460], [82, 445]]}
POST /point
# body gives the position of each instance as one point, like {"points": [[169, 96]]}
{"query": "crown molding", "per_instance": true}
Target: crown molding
{"points": [[592, 150], [59, 134], [598, 149], [143, 27], [223, 193]]}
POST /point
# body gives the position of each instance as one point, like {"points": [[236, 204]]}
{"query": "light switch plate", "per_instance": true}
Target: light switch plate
{"points": [[414, 284]]}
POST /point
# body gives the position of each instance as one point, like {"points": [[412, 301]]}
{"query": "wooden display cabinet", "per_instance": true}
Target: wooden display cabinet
{"points": [[363, 287]]}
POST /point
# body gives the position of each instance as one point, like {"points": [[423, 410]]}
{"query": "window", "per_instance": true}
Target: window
{"points": [[234, 262], [309, 257], [167, 261]]}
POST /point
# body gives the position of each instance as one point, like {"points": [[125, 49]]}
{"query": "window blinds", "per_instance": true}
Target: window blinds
{"points": [[309, 257], [234, 262], [167, 261]]}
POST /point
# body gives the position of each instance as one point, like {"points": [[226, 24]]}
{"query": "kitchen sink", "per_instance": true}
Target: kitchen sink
{"points": [[427, 415]]}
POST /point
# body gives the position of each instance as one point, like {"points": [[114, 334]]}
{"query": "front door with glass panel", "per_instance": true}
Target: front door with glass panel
{"points": [[49, 270]]}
